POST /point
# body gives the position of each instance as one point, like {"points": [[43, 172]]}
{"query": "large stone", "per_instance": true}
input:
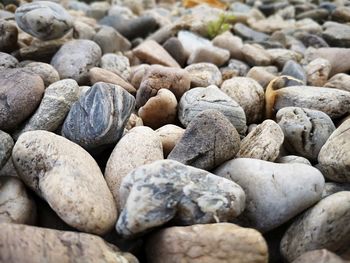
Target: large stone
{"points": [[68, 178], [75, 58], [48, 245], [199, 99], [43, 19], [324, 226], [209, 140], [164, 191], [99, 117], [204, 75], [141, 145], [275, 192], [6, 145], [20, 94], [211, 243]]}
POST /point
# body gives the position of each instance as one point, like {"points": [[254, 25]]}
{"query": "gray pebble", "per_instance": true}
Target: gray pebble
{"points": [[47, 72], [6, 145], [7, 61], [204, 74]]}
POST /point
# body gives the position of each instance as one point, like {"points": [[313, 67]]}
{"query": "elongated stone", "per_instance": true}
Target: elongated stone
{"points": [[6, 145]]}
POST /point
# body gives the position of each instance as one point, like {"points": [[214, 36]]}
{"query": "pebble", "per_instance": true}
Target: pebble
{"points": [[117, 64], [204, 74], [8, 36], [320, 255], [99, 116], [6, 145], [209, 140], [311, 40], [191, 41], [246, 33], [174, 47], [44, 20], [293, 69], [7, 61], [332, 188], [170, 135], [280, 56], [234, 68], [292, 159], [164, 191], [230, 42], [255, 55], [199, 99], [82, 30], [337, 35], [111, 41], [341, 14], [222, 242], [75, 58], [261, 75], [275, 192], [18, 88], [98, 10], [311, 231], [318, 71], [339, 81], [47, 72], [210, 54]]}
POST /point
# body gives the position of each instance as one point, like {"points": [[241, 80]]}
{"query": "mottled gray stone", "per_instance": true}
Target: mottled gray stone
{"points": [[8, 36], [75, 58], [275, 192], [44, 20], [295, 70], [7, 61], [234, 68], [318, 71], [339, 81], [54, 107], [6, 145], [337, 35], [117, 64], [111, 41], [333, 159], [83, 30], [324, 226], [247, 33], [292, 159], [305, 130], [209, 140], [214, 55], [198, 99], [319, 256], [332, 188], [204, 74], [47, 72], [99, 117], [164, 191]]}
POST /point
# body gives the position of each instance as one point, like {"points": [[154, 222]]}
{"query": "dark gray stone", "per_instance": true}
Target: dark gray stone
{"points": [[6, 145], [176, 50], [99, 117], [337, 35], [311, 40], [249, 34], [295, 70]]}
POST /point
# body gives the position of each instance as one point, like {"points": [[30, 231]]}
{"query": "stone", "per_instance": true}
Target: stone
{"points": [[333, 157], [264, 142], [99, 116], [293, 159], [111, 41], [67, 178], [318, 15], [141, 145], [133, 121], [318, 72], [311, 40], [209, 140], [261, 75], [255, 55], [153, 53], [214, 243], [341, 14], [17, 206], [191, 41], [320, 255], [215, 55], [204, 74], [339, 81], [249, 94], [98, 10], [313, 229], [54, 107], [305, 130], [47, 72], [247, 33], [103, 75], [280, 56], [275, 192], [234, 68], [295, 70], [82, 30], [117, 64], [7, 61], [170, 135], [159, 77], [8, 169], [48, 245], [166, 190], [174, 47], [159, 110], [18, 89], [332, 188], [44, 20], [6, 145], [199, 99], [75, 58], [8, 36], [337, 35]]}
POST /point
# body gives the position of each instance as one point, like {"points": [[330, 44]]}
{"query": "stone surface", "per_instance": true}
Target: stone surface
{"points": [[209, 140], [333, 158], [337, 35], [261, 75], [234, 68], [117, 64], [20, 94], [68, 178], [295, 70], [248, 94], [75, 58], [54, 107], [111, 41], [164, 191], [264, 142], [42, 244], [99, 117], [339, 81], [320, 255], [318, 72], [255, 55], [198, 99], [281, 56], [313, 229], [7, 61], [211, 243], [8, 36], [16, 205], [47, 72], [83, 30], [204, 74], [275, 192], [292, 159], [247, 33], [210, 54], [170, 135], [174, 47], [44, 20], [332, 188], [6, 145]]}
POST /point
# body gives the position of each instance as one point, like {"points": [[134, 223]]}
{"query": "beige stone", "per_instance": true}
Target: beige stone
{"points": [[170, 135]]}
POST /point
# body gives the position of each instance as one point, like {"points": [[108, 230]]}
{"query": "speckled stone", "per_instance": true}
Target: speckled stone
{"points": [[204, 74], [318, 72], [117, 64], [47, 72], [339, 81], [7, 61], [6, 145], [167, 190]]}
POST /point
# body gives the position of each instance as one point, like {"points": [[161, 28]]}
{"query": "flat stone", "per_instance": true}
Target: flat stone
{"points": [[337, 35], [20, 93], [174, 47], [47, 72], [204, 74], [99, 117], [111, 41], [275, 192], [6, 145], [209, 140], [292, 159], [324, 226], [7, 61], [264, 142], [295, 70], [75, 58], [215, 243], [320, 255], [164, 191], [8, 36], [339, 81], [255, 55], [199, 99], [214, 55], [247, 33], [117, 64], [318, 72], [67, 178], [43, 19], [170, 135], [230, 42]]}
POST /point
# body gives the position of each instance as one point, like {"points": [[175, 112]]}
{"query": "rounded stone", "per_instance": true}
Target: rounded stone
{"points": [[67, 178], [111, 41], [339, 81], [8, 36], [318, 72], [292, 159], [319, 256], [44, 19], [20, 94], [170, 135], [47, 72], [117, 64], [7, 61], [204, 75], [6, 145]]}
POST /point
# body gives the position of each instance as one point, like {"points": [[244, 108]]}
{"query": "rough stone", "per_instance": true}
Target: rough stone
{"points": [[7, 61], [117, 64]]}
